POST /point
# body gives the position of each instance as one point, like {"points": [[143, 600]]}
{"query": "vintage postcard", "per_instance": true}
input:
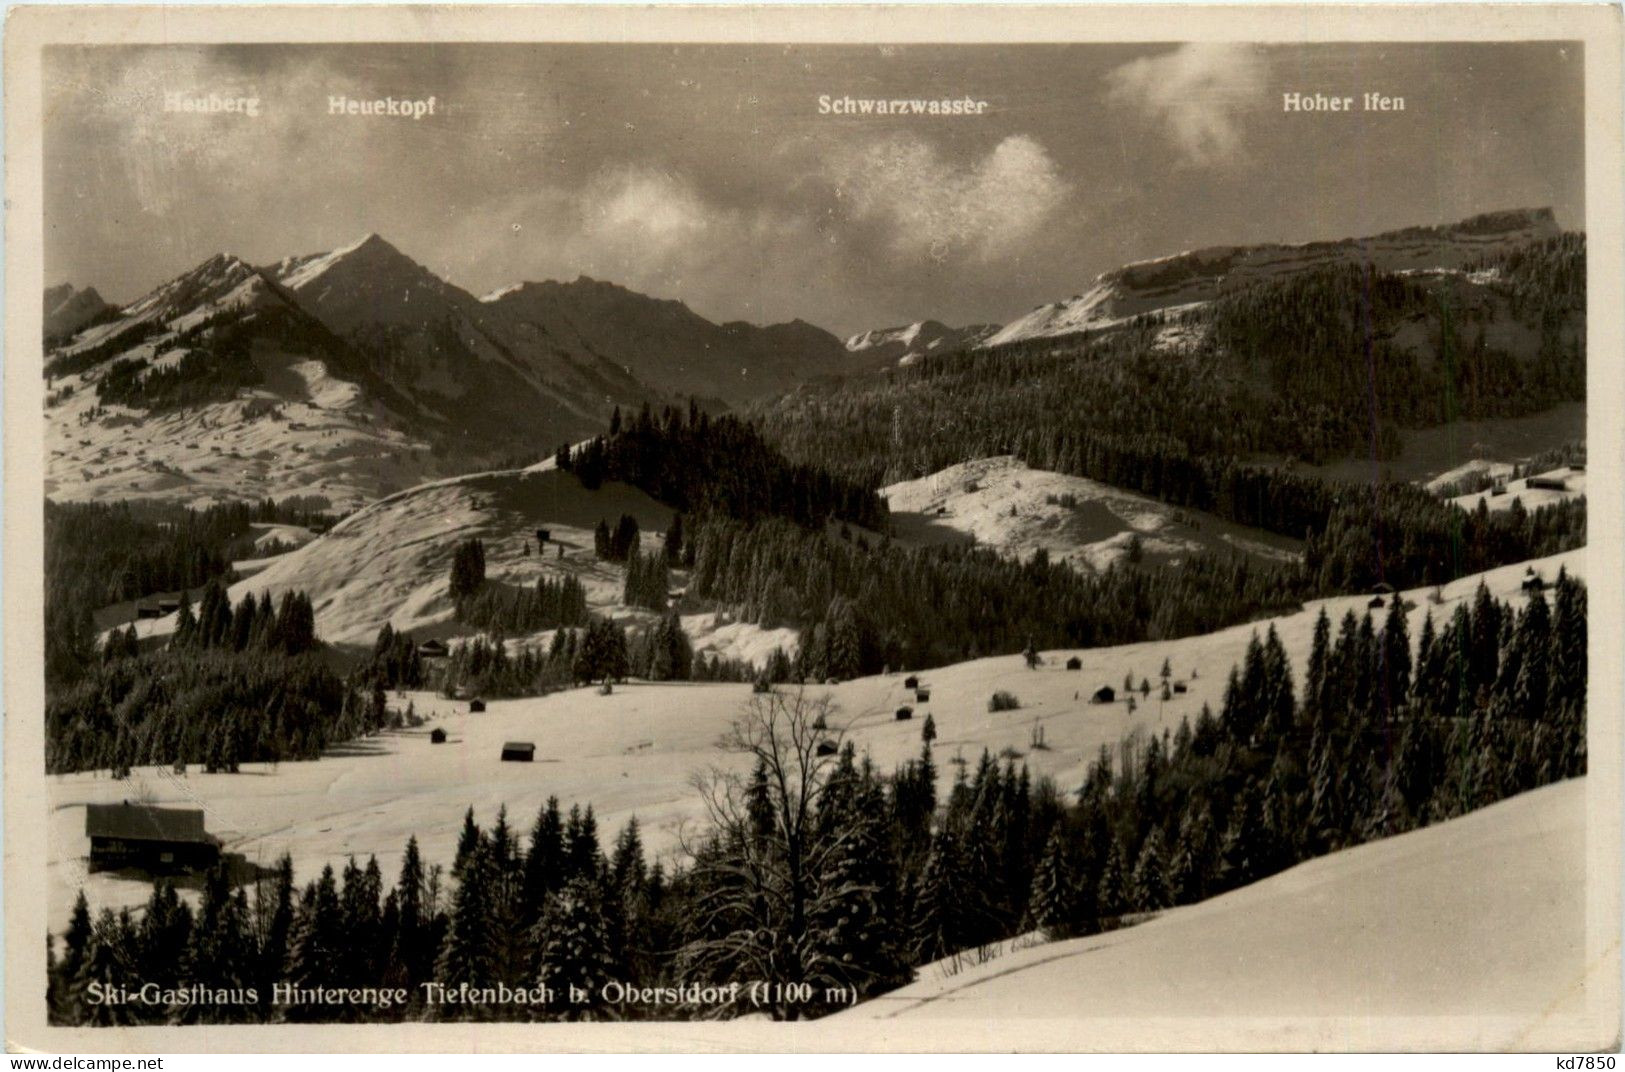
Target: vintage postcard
{"points": [[760, 528]]}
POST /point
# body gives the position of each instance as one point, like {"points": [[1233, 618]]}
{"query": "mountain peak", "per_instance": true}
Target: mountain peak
{"points": [[370, 256], [371, 242]]}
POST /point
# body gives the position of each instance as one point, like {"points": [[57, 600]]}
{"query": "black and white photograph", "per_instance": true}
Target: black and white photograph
{"points": [[957, 538]]}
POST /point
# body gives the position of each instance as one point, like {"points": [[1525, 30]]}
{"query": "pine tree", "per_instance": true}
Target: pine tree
{"points": [[314, 943], [1053, 903], [469, 954], [544, 864], [572, 949], [940, 926], [1111, 895], [467, 841], [70, 1006], [1148, 886]]}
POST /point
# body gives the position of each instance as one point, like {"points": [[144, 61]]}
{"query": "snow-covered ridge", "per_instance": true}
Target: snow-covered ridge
{"points": [[907, 344], [1189, 279]]}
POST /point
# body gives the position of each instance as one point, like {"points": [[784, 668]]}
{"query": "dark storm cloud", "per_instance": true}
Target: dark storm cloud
{"points": [[709, 173]]}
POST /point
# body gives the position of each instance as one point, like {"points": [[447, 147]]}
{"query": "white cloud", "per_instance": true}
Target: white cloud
{"points": [[636, 209], [655, 232], [930, 206], [1198, 92]]}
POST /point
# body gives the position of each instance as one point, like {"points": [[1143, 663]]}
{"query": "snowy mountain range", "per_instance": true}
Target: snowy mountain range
{"points": [[409, 376], [517, 372]]}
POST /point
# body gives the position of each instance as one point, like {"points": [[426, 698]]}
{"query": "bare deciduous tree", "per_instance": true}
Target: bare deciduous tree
{"points": [[770, 867]]}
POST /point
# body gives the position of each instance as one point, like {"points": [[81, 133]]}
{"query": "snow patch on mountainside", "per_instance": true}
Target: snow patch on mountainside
{"points": [[1016, 510], [302, 432]]}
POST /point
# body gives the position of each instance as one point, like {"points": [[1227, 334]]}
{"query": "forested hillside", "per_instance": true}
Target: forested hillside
{"points": [[233, 686], [1310, 367], [723, 465], [1178, 406], [97, 554]]}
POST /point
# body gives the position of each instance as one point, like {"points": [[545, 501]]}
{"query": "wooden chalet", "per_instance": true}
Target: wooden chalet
{"points": [[437, 735], [1074, 663], [518, 752], [1104, 694], [476, 707], [904, 713], [432, 649], [141, 835]]}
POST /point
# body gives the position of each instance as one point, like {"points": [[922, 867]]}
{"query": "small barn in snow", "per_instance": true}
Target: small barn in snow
{"points": [[1104, 694], [518, 752]]}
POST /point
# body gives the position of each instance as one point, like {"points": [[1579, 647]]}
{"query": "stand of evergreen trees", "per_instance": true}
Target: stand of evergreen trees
{"points": [[99, 554], [864, 608], [231, 686], [719, 464], [502, 608], [395, 662]]}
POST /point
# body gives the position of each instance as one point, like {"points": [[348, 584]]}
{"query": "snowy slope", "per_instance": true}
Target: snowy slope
{"points": [[906, 345], [1185, 281], [632, 753], [1574, 481], [303, 432], [1482, 917], [1003, 504]]}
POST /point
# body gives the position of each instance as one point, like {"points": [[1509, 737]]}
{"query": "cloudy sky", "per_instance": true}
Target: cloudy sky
{"points": [[708, 173]]}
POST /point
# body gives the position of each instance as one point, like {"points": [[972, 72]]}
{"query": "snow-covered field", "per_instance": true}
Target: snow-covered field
{"points": [[1574, 485], [633, 753], [1482, 918], [1003, 504]]}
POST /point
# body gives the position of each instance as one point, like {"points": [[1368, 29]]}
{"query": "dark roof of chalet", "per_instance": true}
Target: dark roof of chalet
{"points": [[142, 822], [518, 746]]}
